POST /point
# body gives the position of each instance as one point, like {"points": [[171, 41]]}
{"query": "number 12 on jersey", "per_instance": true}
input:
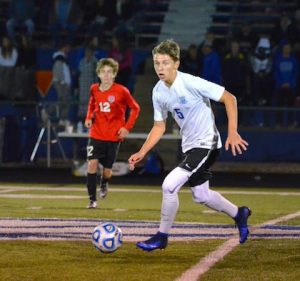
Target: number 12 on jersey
{"points": [[104, 106]]}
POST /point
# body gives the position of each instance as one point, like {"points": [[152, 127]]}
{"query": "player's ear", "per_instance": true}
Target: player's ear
{"points": [[177, 63]]}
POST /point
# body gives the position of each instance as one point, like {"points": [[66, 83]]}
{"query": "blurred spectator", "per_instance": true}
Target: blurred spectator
{"points": [[283, 29], [296, 27], [211, 66], [216, 45], [87, 76], [101, 17], [126, 11], [26, 66], [235, 72], [27, 53], [94, 44], [121, 52], [261, 76], [8, 53], [66, 16], [246, 37], [8, 59], [62, 82], [272, 7], [286, 71], [21, 14], [190, 63]]}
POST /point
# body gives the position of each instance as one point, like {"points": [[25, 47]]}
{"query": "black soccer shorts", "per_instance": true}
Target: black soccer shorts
{"points": [[200, 159], [105, 151]]}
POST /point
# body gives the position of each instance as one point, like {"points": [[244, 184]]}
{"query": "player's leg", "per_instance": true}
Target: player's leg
{"points": [[110, 155], [106, 176], [92, 156], [202, 194], [170, 203], [92, 182], [171, 185]]}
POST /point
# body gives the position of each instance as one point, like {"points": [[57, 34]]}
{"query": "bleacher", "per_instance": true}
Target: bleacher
{"points": [[262, 15], [150, 22], [146, 26]]}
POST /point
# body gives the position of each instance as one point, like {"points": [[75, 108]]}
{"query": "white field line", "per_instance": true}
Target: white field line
{"points": [[257, 228], [7, 190], [196, 271], [41, 196], [4, 189]]}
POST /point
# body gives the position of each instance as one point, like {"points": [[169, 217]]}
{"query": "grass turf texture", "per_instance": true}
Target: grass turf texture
{"points": [[143, 205], [258, 259], [77, 261], [267, 260]]}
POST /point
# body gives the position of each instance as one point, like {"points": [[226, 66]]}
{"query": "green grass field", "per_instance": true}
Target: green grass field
{"points": [[261, 258]]}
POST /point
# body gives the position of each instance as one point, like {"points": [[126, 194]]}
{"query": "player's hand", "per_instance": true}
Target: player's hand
{"points": [[88, 123], [122, 133], [236, 143], [135, 158]]}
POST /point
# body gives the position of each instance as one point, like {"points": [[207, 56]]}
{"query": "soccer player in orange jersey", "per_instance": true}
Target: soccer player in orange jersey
{"points": [[107, 123]]}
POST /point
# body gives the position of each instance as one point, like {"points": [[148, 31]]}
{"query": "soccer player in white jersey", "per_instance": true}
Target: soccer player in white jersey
{"points": [[188, 97]]}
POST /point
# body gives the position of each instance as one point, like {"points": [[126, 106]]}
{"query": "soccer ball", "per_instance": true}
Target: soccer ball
{"points": [[107, 237]]}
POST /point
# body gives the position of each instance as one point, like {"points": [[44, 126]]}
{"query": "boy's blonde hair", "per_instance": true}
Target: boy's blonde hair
{"points": [[168, 47], [107, 61]]}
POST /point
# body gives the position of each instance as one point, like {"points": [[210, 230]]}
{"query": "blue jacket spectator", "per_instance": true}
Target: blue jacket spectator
{"points": [[286, 68], [286, 71], [211, 67]]}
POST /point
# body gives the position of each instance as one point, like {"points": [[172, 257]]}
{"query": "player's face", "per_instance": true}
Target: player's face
{"points": [[106, 75], [165, 68]]}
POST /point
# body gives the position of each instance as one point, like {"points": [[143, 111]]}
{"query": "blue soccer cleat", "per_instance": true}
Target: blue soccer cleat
{"points": [[241, 222], [158, 241]]}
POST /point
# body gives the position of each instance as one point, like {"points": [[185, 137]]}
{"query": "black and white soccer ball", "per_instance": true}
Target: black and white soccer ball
{"points": [[107, 237]]}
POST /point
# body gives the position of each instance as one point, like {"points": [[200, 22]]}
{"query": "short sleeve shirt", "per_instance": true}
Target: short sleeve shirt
{"points": [[188, 100]]}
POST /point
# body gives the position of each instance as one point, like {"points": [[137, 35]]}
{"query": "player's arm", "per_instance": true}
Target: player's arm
{"points": [[158, 129], [133, 115], [234, 140], [134, 111], [90, 111]]}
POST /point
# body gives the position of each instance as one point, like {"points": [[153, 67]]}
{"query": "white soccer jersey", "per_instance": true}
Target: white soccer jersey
{"points": [[188, 100]]}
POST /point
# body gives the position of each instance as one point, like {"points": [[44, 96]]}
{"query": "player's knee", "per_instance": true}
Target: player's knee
{"points": [[166, 186], [107, 173], [92, 166], [175, 180], [201, 195], [170, 186]]}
